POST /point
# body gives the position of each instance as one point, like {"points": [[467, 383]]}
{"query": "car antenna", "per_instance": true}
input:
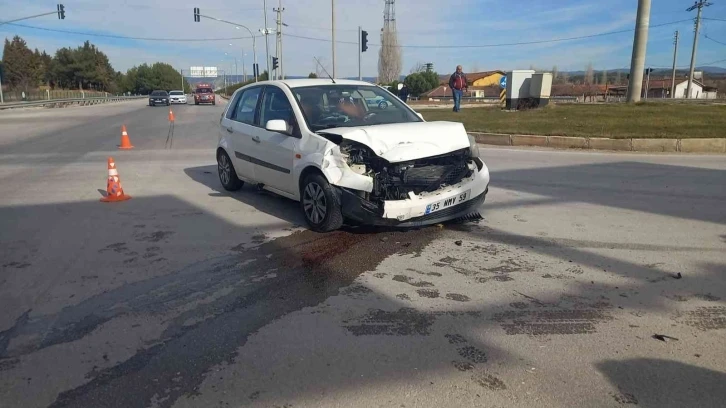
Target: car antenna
{"points": [[326, 71]]}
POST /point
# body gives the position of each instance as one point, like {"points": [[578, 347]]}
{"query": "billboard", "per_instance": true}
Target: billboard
{"points": [[210, 72], [203, 72]]}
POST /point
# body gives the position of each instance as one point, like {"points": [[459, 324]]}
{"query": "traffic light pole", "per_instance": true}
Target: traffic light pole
{"points": [[360, 50]]}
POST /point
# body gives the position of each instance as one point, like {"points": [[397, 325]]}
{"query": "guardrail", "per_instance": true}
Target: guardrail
{"points": [[62, 103]]}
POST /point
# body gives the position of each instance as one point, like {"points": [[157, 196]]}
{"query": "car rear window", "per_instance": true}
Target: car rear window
{"points": [[204, 90], [176, 93], [159, 93]]}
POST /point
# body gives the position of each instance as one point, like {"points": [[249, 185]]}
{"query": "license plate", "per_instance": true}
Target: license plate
{"points": [[448, 202]]}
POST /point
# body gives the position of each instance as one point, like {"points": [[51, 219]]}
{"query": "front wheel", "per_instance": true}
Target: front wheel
{"points": [[227, 174], [320, 205]]}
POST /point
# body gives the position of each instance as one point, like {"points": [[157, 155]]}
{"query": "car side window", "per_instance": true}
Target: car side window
{"points": [[233, 105], [247, 106], [275, 105]]}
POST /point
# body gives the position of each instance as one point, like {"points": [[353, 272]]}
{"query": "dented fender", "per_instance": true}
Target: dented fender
{"points": [[326, 157], [340, 174]]}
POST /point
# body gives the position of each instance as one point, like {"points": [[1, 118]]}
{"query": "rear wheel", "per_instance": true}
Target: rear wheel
{"points": [[227, 174], [320, 205]]}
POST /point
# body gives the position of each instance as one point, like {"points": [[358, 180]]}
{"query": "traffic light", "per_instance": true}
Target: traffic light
{"points": [[61, 12], [196, 15], [363, 41], [274, 62]]}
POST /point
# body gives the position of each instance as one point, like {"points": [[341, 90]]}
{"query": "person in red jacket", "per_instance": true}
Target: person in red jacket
{"points": [[457, 83]]}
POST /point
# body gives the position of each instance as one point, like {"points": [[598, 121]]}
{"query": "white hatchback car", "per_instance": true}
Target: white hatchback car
{"points": [[318, 142]]}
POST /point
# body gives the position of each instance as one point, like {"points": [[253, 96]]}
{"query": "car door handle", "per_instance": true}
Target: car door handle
{"points": [[256, 139], [229, 130]]}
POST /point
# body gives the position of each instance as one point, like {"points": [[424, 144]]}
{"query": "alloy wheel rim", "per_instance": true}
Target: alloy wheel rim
{"points": [[314, 203], [224, 170]]}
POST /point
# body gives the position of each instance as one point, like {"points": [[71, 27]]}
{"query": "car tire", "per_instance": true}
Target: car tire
{"points": [[227, 174], [383, 105], [319, 204], [196, 103]]}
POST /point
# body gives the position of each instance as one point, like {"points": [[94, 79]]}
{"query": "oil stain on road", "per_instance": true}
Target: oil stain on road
{"points": [[257, 286]]}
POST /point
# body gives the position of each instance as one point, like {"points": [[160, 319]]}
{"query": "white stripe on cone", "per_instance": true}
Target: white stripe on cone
{"points": [[112, 172]]}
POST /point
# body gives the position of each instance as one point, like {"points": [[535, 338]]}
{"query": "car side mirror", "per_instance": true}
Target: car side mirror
{"points": [[277, 125]]}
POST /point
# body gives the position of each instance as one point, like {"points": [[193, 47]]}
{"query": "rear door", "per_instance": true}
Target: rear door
{"points": [[274, 151], [239, 126]]}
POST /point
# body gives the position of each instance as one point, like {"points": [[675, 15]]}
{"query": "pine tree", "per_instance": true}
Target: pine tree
{"points": [[18, 64]]}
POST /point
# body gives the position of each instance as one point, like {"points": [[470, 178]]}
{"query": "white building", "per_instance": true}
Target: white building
{"points": [[697, 91]]}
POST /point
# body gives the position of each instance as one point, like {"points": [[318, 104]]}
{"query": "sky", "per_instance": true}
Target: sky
{"points": [[480, 35]]}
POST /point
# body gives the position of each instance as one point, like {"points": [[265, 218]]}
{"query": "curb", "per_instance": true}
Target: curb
{"points": [[697, 145]]}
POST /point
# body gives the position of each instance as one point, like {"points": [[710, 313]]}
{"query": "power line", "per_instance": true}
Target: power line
{"points": [[501, 44], [713, 19], [716, 41], [134, 38]]}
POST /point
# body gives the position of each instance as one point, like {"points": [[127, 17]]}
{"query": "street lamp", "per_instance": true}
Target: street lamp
{"points": [[198, 15]]}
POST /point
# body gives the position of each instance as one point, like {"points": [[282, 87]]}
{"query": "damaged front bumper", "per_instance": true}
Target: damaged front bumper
{"points": [[442, 205]]}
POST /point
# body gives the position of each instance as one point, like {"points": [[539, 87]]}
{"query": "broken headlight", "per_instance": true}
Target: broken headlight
{"points": [[473, 147]]}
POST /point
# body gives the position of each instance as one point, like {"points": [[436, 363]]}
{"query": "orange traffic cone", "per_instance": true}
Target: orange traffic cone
{"points": [[171, 116], [114, 192], [125, 142]]}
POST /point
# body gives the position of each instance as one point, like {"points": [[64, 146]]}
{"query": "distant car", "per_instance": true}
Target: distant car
{"points": [[159, 98], [178, 97], [377, 102], [204, 94]]}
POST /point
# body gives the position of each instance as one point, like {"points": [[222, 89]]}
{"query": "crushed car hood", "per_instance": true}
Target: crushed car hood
{"points": [[401, 142]]}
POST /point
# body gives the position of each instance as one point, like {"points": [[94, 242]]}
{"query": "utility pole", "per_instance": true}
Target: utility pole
{"points": [[181, 72], [332, 6], [360, 50], [637, 62], [700, 4], [267, 43], [675, 57], [279, 11]]}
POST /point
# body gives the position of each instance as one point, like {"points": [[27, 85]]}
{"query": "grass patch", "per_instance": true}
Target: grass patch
{"points": [[648, 120]]}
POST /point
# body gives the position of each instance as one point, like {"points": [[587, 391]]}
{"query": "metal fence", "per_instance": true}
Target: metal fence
{"points": [[17, 96]]}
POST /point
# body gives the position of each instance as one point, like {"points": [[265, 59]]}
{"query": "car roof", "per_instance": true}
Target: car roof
{"points": [[296, 83]]}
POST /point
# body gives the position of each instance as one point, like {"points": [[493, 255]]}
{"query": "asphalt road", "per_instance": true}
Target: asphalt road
{"points": [[189, 296]]}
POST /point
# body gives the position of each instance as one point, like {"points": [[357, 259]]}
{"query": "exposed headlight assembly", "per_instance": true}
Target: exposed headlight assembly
{"points": [[473, 147]]}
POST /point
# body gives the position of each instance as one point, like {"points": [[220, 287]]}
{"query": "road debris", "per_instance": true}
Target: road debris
{"points": [[663, 337], [458, 243]]}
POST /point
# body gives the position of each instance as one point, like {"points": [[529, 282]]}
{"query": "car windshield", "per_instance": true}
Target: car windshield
{"points": [[204, 90], [159, 93], [328, 106], [176, 93]]}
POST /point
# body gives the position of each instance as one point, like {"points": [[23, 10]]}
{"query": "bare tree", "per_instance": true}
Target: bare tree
{"points": [[555, 72], [532, 67], [618, 79], [589, 74], [389, 57], [604, 79], [474, 67], [418, 67], [565, 77]]}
